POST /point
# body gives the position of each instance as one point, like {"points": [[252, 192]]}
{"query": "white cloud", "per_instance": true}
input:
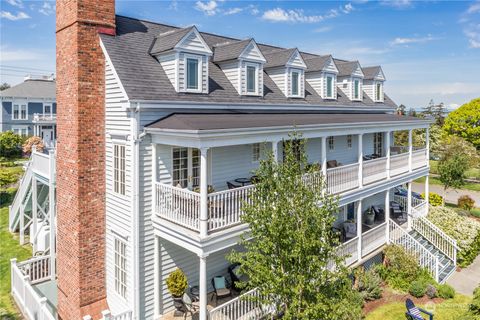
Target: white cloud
{"points": [[399, 4], [473, 35], [255, 11], [9, 55], [298, 15], [233, 11], [11, 16], [47, 8], [15, 3], [474, 8], [173, 5], [209, 8], [322, 29], [407, 41]]}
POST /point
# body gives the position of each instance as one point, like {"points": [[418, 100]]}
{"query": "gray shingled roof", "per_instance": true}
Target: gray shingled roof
{"points": [[144, 78], [229, 50], [370, 72], [203, 121], [278, 58], [345, 68], [168, 40], [31, 89], [316, 63]]}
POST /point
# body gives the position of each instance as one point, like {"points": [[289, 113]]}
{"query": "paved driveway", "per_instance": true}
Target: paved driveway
{"points": [[468, 279], [452, 195]]}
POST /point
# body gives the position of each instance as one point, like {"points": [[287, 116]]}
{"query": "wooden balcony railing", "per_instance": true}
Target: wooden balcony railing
{"points": [[342, 178]]}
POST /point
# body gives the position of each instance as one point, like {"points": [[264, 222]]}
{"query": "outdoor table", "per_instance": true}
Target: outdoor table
{"points": [[243, 181]]}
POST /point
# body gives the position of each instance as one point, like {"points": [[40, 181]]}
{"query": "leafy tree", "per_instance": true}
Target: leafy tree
{"points": [[10, 144], [452, 172], [436, 111], [453, 145], [412, 112], [4, 86], [401, 110], [293, 250], [465, 122]]}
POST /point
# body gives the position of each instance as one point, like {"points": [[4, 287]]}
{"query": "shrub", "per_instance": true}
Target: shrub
{"points": [[463, 229], [401, 268], [7, 195], [10, 144], [466, 203], [368, 284], [431, 291], [33, 141], [177, 283], [434, 199], [445, 291], [418, 288], [474, 306]]}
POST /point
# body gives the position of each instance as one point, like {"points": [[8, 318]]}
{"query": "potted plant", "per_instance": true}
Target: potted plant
{"points": [[369, 216], [177, 284]]}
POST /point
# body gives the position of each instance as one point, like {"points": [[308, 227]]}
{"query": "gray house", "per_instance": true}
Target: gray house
{"points": [[29, 108]]}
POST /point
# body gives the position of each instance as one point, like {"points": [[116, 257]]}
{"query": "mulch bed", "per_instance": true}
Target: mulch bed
{"points": [[389, 297]]}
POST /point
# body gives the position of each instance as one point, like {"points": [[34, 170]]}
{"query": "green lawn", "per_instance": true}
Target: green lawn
{"points": [[472, 173], [468, 186], [9, 248], [447, 310]]}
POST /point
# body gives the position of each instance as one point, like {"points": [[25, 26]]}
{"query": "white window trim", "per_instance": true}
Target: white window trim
{"points": [[299, 87], [256, 154], [355, 82], [256, 66], [378, 93], [51, 109], [349, 141], [331, 143], [19, 105], [22, 129], [118, 183], [118, 286], [199, 73], [326, 86]]}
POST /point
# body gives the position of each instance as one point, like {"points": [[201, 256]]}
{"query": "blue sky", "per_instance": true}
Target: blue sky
{"points": [[428, 49]]}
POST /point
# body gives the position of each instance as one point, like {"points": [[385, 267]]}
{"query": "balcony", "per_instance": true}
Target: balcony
{"points": [[40, 118], [182, 206]]}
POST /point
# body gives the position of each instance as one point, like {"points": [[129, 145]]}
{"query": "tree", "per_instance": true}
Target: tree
{"points": [[436, 111], [412, 112], [453, 145], [4, 86], [401, 110], [452, 172], [465, 122], [10, 144], [293, 249]]}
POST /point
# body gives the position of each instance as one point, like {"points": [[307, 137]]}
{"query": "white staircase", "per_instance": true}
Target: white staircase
{"points": [[21, 198]]}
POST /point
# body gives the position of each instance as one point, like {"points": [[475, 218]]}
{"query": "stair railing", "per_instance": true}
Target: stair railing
{"points": [[425, 258], [19, 195], [438, 238]]}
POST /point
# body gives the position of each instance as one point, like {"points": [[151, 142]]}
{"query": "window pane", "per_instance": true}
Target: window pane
{"points": [[251, 79], [329, 87], [295, 83], [357, 84], [192, 73]]}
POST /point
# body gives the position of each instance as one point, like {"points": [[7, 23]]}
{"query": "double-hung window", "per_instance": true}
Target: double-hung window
{"points": [[193, 73], [331, 143], [119, 168], [21, 131], [356, 89], [378, 143], [349, 141], [329, 87], [47, 110], [19, 112], [252, 76], [379, 91], [256, 152], [120, 267], [295, 83]]}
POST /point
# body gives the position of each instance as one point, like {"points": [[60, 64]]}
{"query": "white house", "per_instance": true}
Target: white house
{"points": [[188, 117]]}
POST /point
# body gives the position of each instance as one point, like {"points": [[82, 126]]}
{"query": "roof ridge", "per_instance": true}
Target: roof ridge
{"points": [[166, 33], [222, 44]]}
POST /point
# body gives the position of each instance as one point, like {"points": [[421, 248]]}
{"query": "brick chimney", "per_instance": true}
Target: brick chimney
{"points": [[81, 156]]}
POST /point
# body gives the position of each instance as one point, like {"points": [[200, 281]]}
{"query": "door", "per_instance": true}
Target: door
{"points": [[186, 167], [47, 135]]}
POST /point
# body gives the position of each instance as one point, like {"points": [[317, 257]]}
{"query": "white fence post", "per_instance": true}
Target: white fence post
{"points": [[106, 315]]}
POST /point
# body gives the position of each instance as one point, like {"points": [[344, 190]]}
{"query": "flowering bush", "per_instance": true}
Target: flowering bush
{"points": [[33, 141], [434, 199], [466, 202], [461, 228]]}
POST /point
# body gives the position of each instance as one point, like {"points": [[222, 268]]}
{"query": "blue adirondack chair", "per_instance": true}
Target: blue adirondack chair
{"points": [[415, 313]]}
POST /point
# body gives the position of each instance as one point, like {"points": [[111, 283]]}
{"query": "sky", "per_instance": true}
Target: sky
{"points": [[427, 49]]}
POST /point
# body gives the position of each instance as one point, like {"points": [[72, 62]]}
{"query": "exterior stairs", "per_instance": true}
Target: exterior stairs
{"points": [[446, 266]]}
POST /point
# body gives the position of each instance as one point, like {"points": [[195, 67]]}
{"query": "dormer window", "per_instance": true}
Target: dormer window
{"points": [[356, 89], [330, 87], [252, 79], [193, 66], [295, 83], [378, 92]]}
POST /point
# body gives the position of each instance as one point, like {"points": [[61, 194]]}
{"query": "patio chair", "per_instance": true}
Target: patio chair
{"points": [[220, 286], [349, 230], [332, 164], [379, 213], [236, 276], [231, 185], [415, 313], [396, 211], [188, 306]]}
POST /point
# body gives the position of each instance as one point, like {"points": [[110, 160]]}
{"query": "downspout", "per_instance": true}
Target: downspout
{"points": [[136, 139]]}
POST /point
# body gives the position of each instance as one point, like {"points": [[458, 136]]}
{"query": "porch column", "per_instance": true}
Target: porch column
{"points": [[387, 215], [409, 205], [203, 193], [203, 287], [33, 237], [359, 228], [427, 145], [53, 222], [324, 157], [360, 160], [410, 150], [427, 191], [387, 151], [156, 278], [275, 150]]}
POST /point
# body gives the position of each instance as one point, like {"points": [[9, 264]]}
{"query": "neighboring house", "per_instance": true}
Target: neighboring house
{"points": [[30, 108], [188, 116]]}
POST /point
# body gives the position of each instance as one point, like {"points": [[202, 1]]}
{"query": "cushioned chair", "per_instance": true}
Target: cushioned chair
{"points": [[349, 230], [379, 213], [188, 306], [221, 288], [332, 164], [415, 313]]}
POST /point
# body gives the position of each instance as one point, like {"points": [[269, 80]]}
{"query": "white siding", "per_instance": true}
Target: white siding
{"points": [[169, 65], [318, 81], [346, 84], [231, 71], [192, 42], [182, 72], [118, 207], [278, 76], [296, 61], [370, 88], [252, 53], [301, 82], [330, 67]]}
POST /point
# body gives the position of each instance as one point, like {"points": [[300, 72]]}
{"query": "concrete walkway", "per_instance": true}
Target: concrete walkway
{"points": [[452, 195], [468, 279]]}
